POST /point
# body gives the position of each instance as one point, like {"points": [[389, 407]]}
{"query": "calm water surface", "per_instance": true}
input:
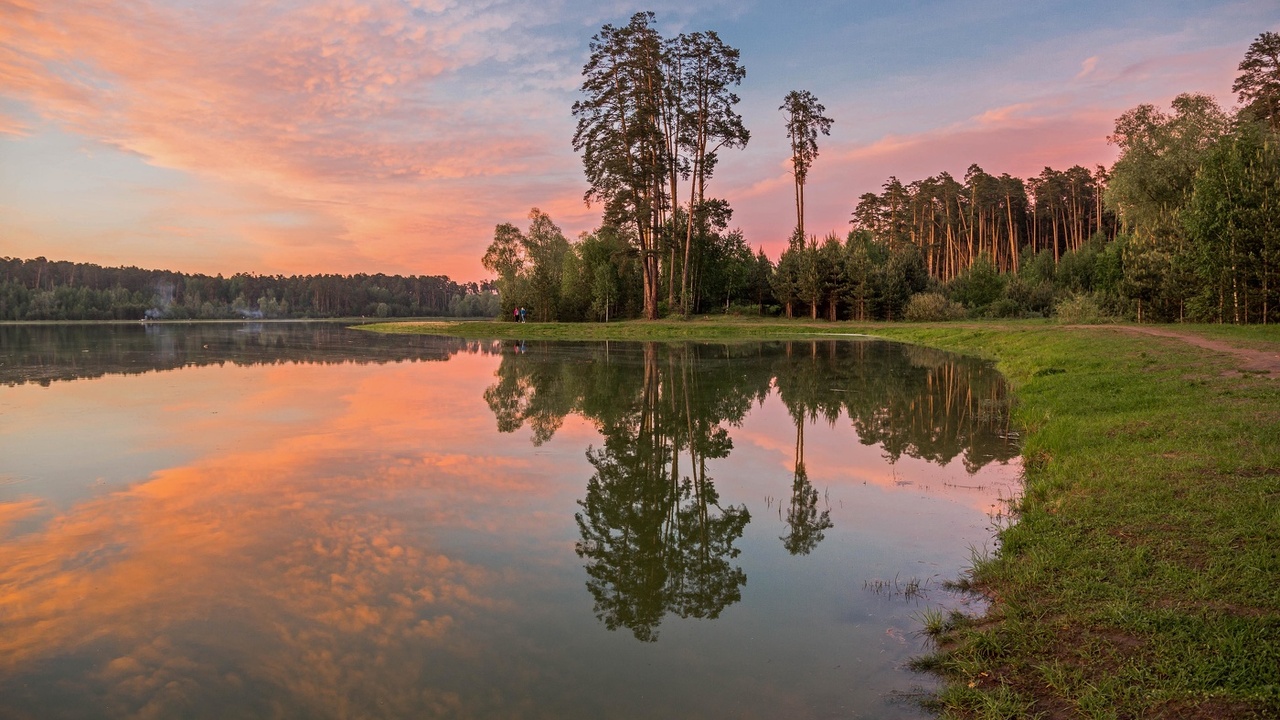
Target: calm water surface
{"points": [[305, 521]]}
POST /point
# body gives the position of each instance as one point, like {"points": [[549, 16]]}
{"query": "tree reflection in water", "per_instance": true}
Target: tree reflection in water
{"points": [[805, 525], [653, 532], [656, 539]]}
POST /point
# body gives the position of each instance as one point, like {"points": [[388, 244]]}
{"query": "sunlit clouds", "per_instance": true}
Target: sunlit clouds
{"points": [[333, 136], [391, 136]]}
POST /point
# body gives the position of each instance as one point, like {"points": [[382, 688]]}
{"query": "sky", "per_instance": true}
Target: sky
{"points": [[366, 136]]}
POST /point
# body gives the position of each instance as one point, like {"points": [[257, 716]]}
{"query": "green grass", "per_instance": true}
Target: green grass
{"points": [[1142, 577], [697, 328], [1259, 337]]}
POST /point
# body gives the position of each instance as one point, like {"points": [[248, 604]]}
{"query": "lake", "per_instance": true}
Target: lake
{"points": [[299, 520]]}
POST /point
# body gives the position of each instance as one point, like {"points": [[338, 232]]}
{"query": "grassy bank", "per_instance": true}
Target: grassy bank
{"points": [[1142, 579]]}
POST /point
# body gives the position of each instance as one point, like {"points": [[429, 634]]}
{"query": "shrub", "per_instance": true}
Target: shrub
{"points": [[1005, 308], [978, 286], [1082, 309], [1033, 297], [933, 307]]}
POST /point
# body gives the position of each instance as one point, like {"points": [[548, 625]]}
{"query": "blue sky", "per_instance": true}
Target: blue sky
{"points": [[347, 136]]}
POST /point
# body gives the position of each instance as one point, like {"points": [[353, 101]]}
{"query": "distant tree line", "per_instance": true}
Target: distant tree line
{"points": [[42, 289], [1182, 227]]}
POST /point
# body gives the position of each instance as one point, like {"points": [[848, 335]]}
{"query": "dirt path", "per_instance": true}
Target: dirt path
{"points": [[1259, 361]]}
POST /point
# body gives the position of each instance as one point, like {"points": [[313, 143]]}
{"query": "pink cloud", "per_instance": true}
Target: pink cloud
{"points": [[1002, 115], [13, 126], [326, 111], [1087, 67]]}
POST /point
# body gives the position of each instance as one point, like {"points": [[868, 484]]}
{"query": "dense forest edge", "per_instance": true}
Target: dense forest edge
{"points": [[1181, 228]]}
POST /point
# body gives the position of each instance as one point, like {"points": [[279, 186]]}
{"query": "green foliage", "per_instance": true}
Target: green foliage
{"points": [[902, 276], [785, 282], [1006, 308], [598, 279], [1075, 271], [810, 276], [861, 256], [805, 120], [531, 267], [1081, 309], [977, 287], [719, 261], [545, 249], [655, 111], [1030, 298], [758, 287], [1039, 268], [1159, 156], [933, 307], [1183, 232], [1231, 222], [1258, 85], [1108, 267]]}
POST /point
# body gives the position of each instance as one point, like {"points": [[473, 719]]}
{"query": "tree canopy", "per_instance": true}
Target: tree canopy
{"points": [[805, 120], [1258, 85], [656, 112]]}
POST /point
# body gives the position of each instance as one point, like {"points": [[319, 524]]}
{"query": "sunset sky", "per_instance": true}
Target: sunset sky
{"points": [[345, 136]]}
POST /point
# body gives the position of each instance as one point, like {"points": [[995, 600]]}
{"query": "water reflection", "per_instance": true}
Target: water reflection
{"points": [[805, 525], [269, 572], [653, 532], [654, 535], [47, 353], [306, 522]]}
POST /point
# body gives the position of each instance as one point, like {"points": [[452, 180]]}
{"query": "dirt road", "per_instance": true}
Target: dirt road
{"points": [[1258, 361]]}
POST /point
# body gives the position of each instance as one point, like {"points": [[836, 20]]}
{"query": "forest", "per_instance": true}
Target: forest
{"points": [[42, 289], [1180, 228]]}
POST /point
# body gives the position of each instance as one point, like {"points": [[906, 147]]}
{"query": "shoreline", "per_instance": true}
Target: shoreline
{"points": [[1142, 577]]}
